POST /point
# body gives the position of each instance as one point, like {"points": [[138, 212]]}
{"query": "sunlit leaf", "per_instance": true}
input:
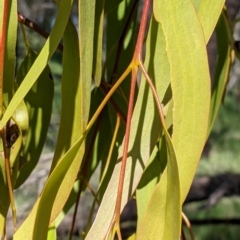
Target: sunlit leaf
{"points": [[8, 89], [86, 32], [208, 13], [70, 128], [190, 83], [98, 42], [42, 59]]}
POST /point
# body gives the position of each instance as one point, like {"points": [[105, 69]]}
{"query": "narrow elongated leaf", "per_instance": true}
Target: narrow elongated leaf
{"points": [[117, 23], [162, 219], [10, 55], [186, 51], [222, 68], [145, 130], [150, 178], [70, 128], [157, 66], [52, 232], [208, 13], [8, 89], [42, 60], [57, 190], [86, 31], [98, 42], [39, 105], [62, 180], [142, 130], [35, 226]]}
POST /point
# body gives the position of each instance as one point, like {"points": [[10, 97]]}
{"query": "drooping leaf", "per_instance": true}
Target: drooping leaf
{"points": [[115, 63], [157, 66], [222, 68], [190, 82], [39, 107], [98, 42], [57, 190], [52, 232], [10, 54], [42, 59], [48, 205], [140, 133], [71, 119], [150, 178], [86, 32], [8, 90], [70, 131], [208, 13]]}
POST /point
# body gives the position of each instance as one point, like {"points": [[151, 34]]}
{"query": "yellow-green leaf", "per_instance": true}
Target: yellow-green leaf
{"points": [[98, 42], [86, 32], [38, 101], [190, 82], [42, 60], [208, 13]]}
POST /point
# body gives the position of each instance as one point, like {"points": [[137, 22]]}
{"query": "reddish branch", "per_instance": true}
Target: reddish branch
{"points": [[3, 39], [137, 58]]}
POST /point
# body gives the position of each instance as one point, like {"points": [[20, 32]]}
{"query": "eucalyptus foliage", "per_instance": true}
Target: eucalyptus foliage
{"points": [[160, 140]]}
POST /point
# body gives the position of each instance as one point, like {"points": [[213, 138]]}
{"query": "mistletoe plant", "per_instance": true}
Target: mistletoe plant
{"points": [[136, 100]]}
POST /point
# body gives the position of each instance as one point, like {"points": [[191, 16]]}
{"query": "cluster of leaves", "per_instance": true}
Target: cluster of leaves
{"points": [[148, 144]]}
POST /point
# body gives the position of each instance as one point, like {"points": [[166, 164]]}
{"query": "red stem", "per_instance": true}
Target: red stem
{"points": [[3, 38], [137, 57]]}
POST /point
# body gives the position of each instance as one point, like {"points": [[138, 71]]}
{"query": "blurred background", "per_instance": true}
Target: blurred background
{"points": [[213, 203]]}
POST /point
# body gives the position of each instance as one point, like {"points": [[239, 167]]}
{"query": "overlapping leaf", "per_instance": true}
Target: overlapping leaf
{"points": [[222, 68], [208, 13], [145, 130], [8, 87], [86, 31], [42, 59], [190, 83], [26, 230], [39, 105]]}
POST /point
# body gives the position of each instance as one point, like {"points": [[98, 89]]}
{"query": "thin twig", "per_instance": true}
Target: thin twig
{"points": [[188, 225], [83, 174], [137, 58], [3, 39], [36, 28]]}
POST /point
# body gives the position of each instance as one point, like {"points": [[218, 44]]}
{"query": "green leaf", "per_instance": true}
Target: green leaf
{"points": [[57, 190], [61, 181], [208, 13], [150, 178], [157, 66], [39, 107], [49, 204], [222, 68], [98, 42], [42, 60], [190, 82], [142, 130], [52, 232], [86, 32], [114, 65], [10, 53], [162, 219], [70, 128], [8, 90]]}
